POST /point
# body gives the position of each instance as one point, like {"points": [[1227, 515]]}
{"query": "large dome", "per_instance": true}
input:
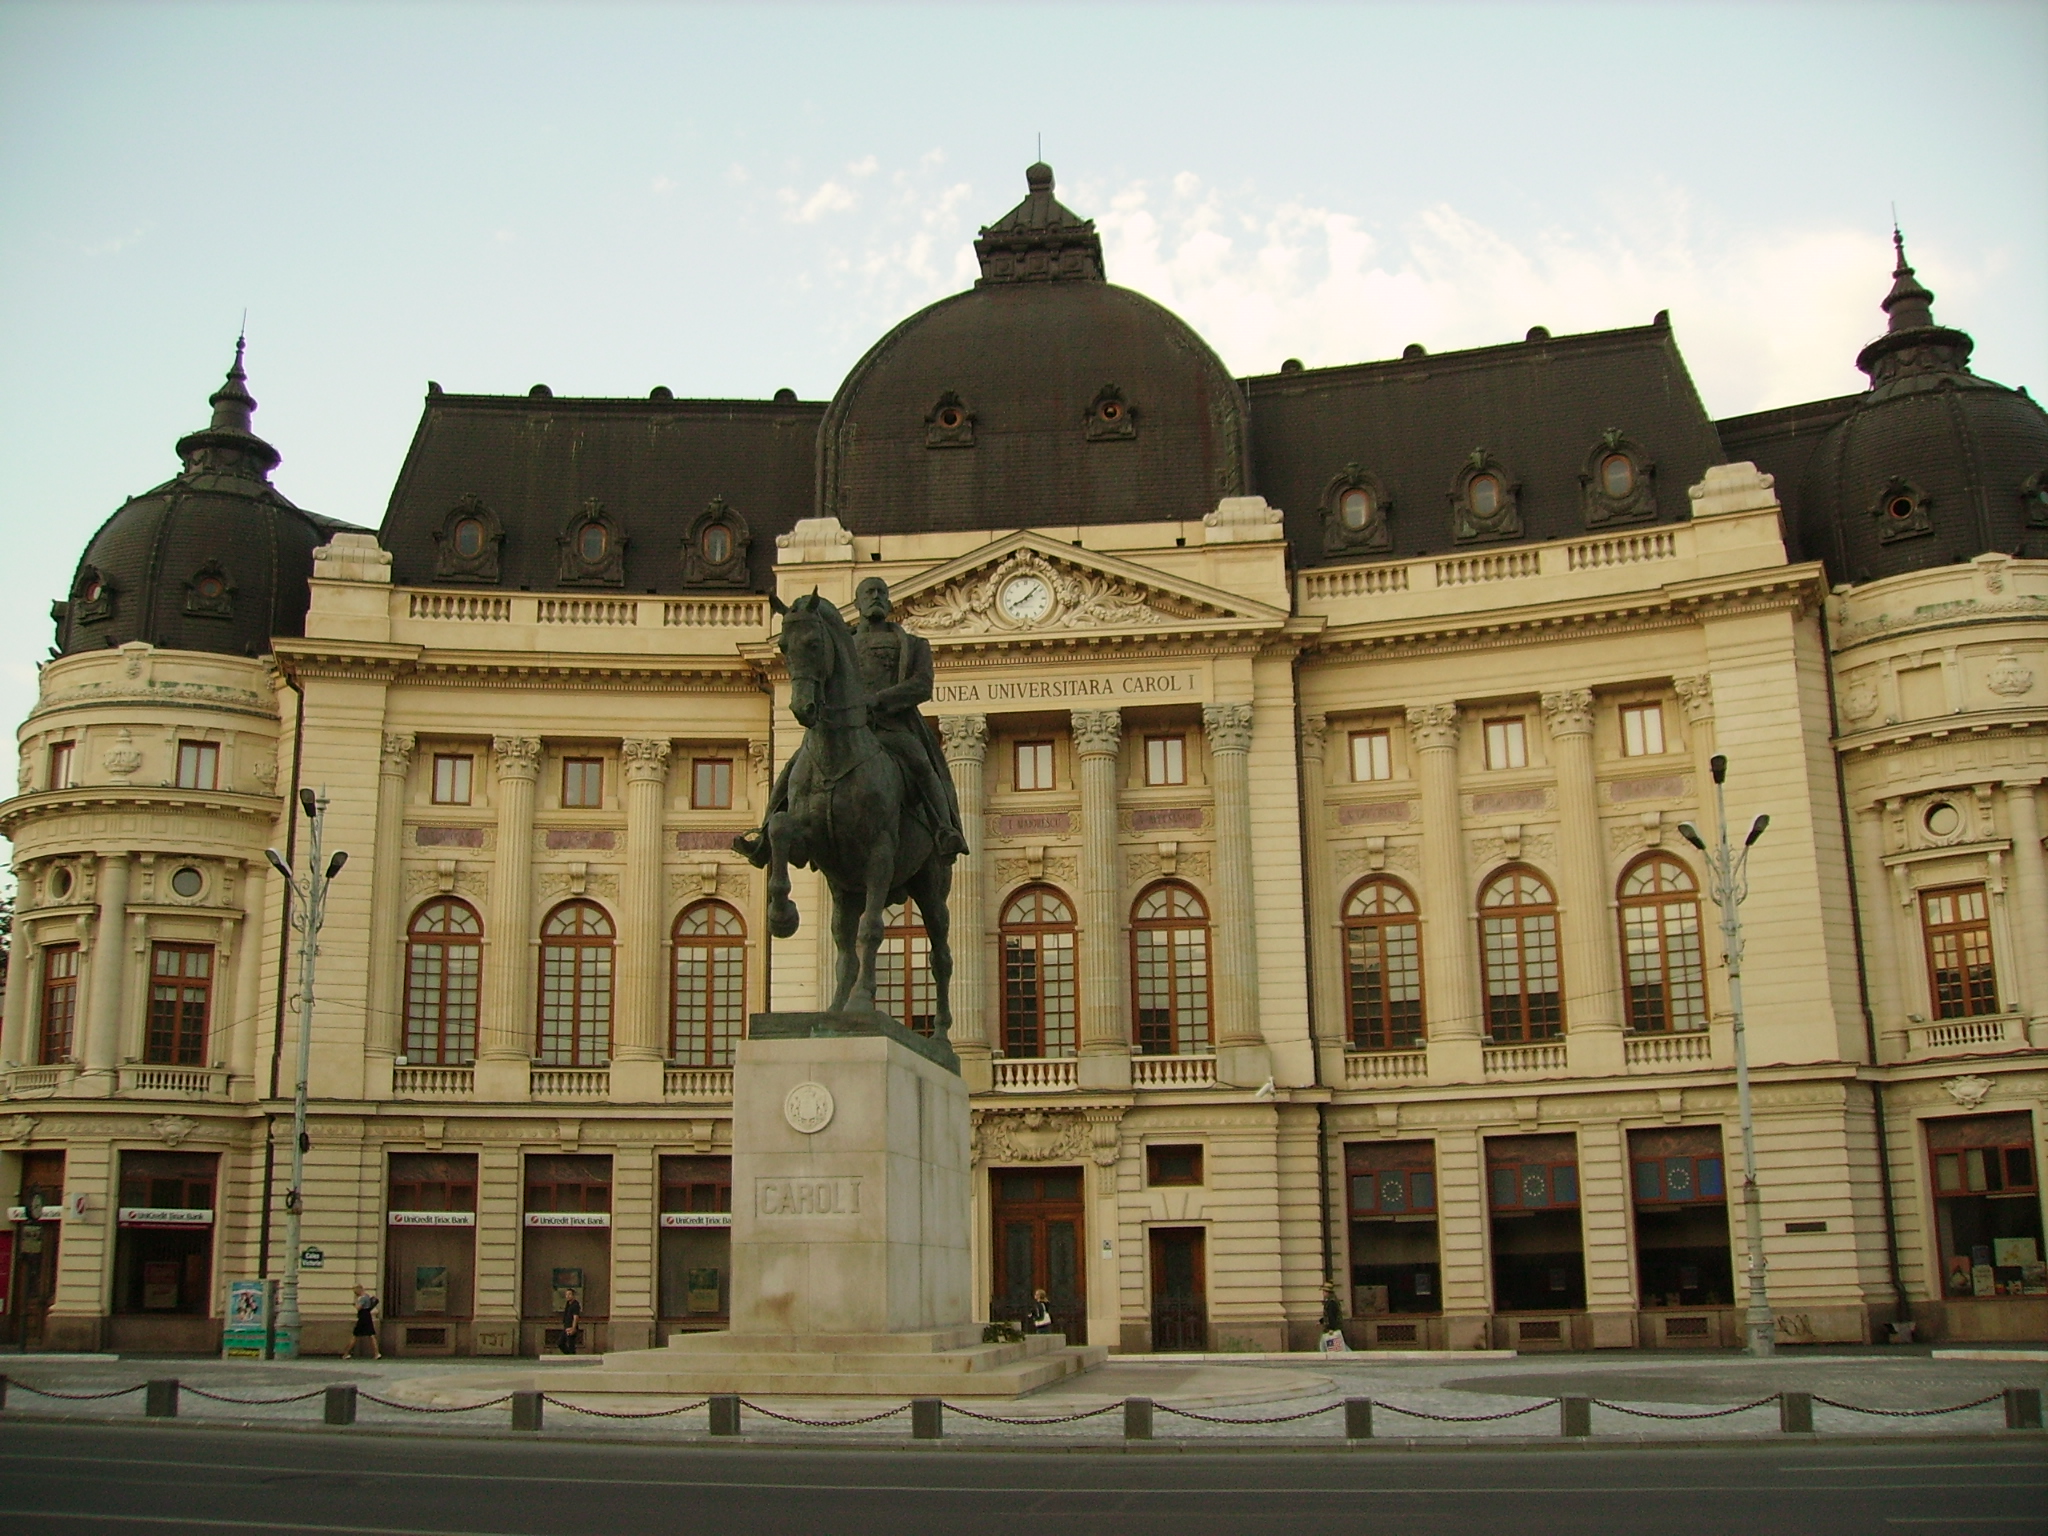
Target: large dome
{"points": [[213, 560], [1933, 464], [1041, 397]]}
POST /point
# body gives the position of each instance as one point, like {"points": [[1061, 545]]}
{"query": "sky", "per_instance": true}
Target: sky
{"points": [[728, 200]]}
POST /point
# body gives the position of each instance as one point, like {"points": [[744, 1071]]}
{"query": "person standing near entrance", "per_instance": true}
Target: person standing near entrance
{"points": [[572, 1322], [1041, 1313], [366, 1324]]}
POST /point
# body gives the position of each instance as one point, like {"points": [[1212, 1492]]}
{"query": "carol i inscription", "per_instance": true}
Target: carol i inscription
{"points": [[1015, 690], [838, 1196]]}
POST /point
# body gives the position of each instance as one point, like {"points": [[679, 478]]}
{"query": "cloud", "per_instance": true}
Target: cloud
{"points": [[830, 197], [662, 185], [116, 244]]}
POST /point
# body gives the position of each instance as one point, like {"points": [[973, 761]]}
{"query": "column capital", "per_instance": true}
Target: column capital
{"points": [[1695, 696], [1097, 732], [646, 759], [1569, 711], [397, 758], [1433, 727], [757, 755], [1228, 727], [1315, 731], [518, 757], [965, 737]]}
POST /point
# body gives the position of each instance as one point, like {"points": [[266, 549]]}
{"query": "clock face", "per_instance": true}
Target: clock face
{"points": [[1026, 599]]}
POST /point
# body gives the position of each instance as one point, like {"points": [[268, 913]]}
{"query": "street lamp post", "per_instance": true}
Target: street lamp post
{"points": [[1728, 884], [309, 911]]}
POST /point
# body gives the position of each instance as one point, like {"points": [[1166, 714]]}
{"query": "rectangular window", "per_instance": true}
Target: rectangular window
{"points": [[711, 784], [1683, 1257], [451, 778], [1987, 1198], [1391, 1199], [60, 765], [1642, 730], [582, 781], [1166, 760], [180, 997], [1173, 1165], [696, 1238], [198, 764], [60, 1003], [1539, 1260], [1507, 744], [1034, 765], [1960, 975], [1372, 755]]}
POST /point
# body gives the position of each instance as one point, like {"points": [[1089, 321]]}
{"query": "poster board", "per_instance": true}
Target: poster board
{"points": [[245, 1333]]}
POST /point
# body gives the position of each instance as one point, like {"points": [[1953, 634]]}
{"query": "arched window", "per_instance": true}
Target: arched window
{"points": [[1383, 967], [708, 999], [1038, 974], [1170, 971], [576, 986], [1518, 941], [1660, 946], [443, 962], [903, 971]]}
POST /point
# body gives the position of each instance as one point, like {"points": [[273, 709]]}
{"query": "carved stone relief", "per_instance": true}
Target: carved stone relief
{"points": [[1032, 1136], [1081, 599], [2009, 676], [172, 1129]]}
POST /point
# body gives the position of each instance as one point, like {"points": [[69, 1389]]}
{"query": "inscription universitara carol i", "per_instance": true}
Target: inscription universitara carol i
{"points": [[1175, 684], [808, 1108]]}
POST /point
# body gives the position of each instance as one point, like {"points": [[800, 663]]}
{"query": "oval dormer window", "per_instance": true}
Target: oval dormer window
{"points": [[951, 417], [1355, 508], [209, 587], [1899, 508], [717, 541], [592, 542], [1617, 475], [92, 590], [469, 538], [1485, 495], [1110, 410]]}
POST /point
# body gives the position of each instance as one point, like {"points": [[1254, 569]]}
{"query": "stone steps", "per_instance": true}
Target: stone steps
{"points": [[948, 1361]]}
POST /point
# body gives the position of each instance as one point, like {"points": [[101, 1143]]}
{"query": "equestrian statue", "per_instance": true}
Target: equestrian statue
{"points": [[866, 799]]}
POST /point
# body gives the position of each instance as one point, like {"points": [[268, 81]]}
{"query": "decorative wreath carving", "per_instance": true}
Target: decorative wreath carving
{"points": [[949, 423], [715, 547], [1348, 527], [209, 594], [1472, 519], [1081, 599], [592, 547], [1635, 501], [467, 543], [1901, 511], [1110, 418]]}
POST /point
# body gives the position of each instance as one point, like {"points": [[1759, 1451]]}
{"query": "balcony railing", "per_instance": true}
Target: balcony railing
{"points": [[582, 1083], [697, 1085], [1661, 1053], [1365, 1067], [1038, 1074], [1173, 1071], [1967, 1037], [27, 1082], [173, 1083], [1538, 1060], [432, 1082]]}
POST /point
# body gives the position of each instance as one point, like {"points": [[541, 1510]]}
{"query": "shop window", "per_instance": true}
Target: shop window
{"points": [[56, 1036], [1518, 937], [582, 782], [443, 973], [696, 1239], [1173, 1165], [452, 777], [430, 1237], [1170, 971], [1391, 1197], [1507, 743], [711, 784], [904, 988], [60, 765], [576, 986], [1040, 1004], [709, 985], [163, 1252], [567, 1250], [1166, 760], [1683, 1257], [1532, 1187], [1034, 765], [1642, 730], [1987, 1202], [1660, 947], [198, 764], [1956, 926], [1383, 967], [1372, 756], [180, 1001]]}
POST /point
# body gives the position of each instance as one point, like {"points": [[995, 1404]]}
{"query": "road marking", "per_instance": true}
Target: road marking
{"points": [[1967, 1520], [118, 1521]]}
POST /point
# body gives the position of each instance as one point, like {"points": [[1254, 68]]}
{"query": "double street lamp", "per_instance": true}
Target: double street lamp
{"points": [[1728, 884], [309, 911]]}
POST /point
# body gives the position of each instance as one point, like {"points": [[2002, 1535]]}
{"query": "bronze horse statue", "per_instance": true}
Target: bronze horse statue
{"points": [[852, 814]]}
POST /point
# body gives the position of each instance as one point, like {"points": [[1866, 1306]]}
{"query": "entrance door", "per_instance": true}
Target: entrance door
{"points": [[34, 1251], [1038, 1227], [1180, 1292]]}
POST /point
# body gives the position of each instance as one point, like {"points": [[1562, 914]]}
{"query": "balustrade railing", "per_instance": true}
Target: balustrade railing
{"points": [[1687, 1048], [1986, 1032], [1037, 1074], [432, 1082], [1386, 1066], [174, 1082], [1173, 1071], [570, 1083], [1524, 1060], [692, 1084]]}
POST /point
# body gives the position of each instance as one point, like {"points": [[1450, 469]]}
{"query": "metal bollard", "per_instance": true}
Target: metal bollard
{"points": [[161, 1399], [1137, 1418], [725, 1413], [2022, 1405], [340, 1406], [526, 1410], [1357, 1418], [1575, 1417], [3, 1391], [927, 1418], [1795, 1413]]}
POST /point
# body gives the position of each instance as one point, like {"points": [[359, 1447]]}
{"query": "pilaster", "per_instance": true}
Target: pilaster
{"points": [[104, 980], [1105, 1037], [507, 1046], [1592, 977], [387, 921], [1241, 1055], [639, 1038], [1450, 961], [1325, 960], [2030, 895], [966, 745]]}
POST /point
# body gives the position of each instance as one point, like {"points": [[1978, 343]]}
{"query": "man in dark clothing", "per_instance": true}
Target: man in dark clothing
{"points": [[572, 1322]]}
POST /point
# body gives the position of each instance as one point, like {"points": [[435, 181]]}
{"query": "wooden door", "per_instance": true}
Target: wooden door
{"points": [[1038, 1225], [1180, 1291]]}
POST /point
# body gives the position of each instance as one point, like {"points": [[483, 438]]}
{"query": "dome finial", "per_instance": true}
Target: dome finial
{"points": [[229, 444], [1038, 176], [234, 407], [1910, 306]]}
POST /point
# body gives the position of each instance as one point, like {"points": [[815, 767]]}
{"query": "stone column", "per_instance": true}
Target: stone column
{"points": [[2029, 906], [1588, 940], [639, 1025], [1450, 954], [1241, 1055], [507, 1025], [1325, 940], [1105, 1006], [966, 742], [387, 917], [249, 1014], [104, 979]]}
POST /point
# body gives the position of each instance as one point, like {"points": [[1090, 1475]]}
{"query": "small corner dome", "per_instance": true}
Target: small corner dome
{"points": [[214, 559], [1042, 394]]}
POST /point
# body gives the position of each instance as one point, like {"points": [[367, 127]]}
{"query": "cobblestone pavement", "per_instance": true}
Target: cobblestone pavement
{"points": [[1268, 1402]]}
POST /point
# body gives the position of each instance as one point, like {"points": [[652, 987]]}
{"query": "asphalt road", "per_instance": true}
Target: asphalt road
{"points": [[84, 1480]]}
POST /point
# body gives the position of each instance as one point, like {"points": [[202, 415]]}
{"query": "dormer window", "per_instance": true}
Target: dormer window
{"points": [[1617, 475], [1901, 511], [469, 538], [208, 595], [593, 548], [467, 543], [1484, 493], [1110, 417], [2034, 493], [592, 542], [1483, 500], [93, 598], [715, 547], [1618, 481], [1354, 510], [949, 423], [716, 544]]}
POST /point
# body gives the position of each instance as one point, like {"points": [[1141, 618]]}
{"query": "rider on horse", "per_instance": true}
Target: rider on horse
{"points": [[896, 666]]}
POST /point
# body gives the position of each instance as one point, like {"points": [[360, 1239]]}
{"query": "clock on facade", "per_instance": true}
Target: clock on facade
{"points": [[1026, 599]]}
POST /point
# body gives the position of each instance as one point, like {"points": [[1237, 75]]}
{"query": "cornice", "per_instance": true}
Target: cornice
{"points": [[1981, 725], [51, 802]]}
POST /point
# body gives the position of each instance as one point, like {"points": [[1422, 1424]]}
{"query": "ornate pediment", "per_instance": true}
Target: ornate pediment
{"points": [[1031, 590]]}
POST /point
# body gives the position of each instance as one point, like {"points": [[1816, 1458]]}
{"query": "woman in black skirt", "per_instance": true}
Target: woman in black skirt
{"points": [[366, 1323]]}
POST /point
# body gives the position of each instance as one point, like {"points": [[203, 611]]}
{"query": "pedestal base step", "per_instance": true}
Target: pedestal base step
{"points": [[946, 1363]]}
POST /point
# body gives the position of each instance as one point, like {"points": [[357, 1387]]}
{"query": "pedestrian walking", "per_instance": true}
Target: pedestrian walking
{"points": [[1041, 1313], [1332, 1340], [572, 1321], [366, 1323]]}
